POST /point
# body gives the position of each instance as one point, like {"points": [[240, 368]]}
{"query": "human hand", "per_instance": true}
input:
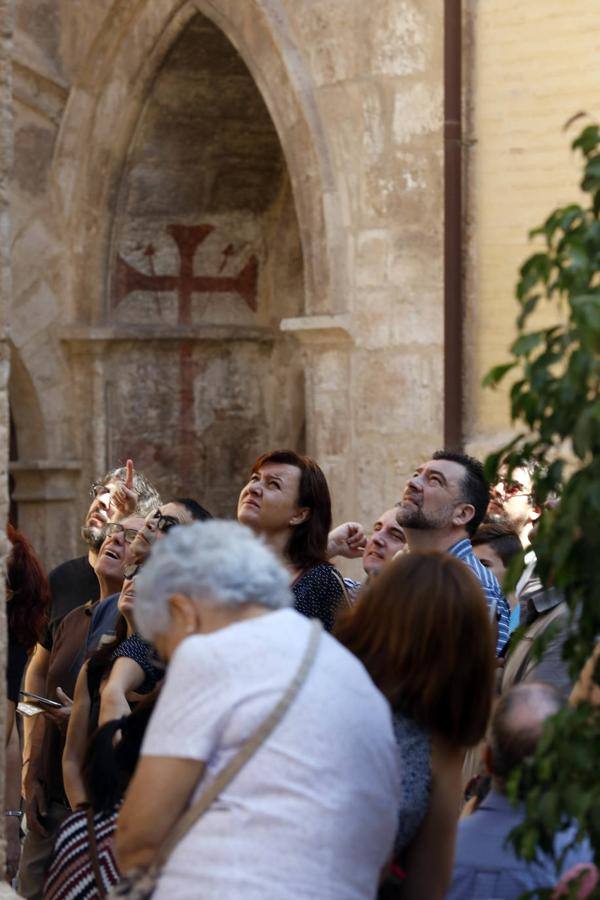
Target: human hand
{"points": [[12, 835], [123, 496], [60, 716], [347, 540], [35, 805]]}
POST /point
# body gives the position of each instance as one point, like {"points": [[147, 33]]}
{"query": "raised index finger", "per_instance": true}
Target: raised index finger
{"points": [[129, 474]]}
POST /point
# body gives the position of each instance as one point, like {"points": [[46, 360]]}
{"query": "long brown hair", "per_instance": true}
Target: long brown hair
{"points": [[422, 630], [307, 545], [27, 612]]}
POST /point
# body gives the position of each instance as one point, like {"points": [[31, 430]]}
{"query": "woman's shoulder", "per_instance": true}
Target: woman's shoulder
{"points": [[320, 575]]}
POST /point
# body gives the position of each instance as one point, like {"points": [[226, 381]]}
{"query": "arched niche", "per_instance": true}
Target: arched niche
{"points": [[205, 260]]}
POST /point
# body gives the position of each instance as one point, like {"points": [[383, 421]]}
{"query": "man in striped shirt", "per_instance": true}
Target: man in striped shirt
{"points": [[443, 504]]}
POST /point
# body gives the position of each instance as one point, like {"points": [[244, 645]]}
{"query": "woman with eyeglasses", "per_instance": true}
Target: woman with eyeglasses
{"points": [[105, 681]]}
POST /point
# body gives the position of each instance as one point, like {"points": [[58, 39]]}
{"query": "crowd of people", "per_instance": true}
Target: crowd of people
{"points": [[208, 708]]}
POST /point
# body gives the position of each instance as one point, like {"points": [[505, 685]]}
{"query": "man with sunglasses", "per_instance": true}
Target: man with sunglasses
{"points": [[156, 524]]}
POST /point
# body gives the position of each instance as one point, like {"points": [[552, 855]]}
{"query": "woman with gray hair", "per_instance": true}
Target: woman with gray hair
{"points": [[267, 731]]}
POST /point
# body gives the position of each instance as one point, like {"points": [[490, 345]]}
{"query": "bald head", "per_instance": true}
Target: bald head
{"points": [[517, 725]]}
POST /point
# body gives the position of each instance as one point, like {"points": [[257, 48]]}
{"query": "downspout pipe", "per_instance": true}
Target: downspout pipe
{"points": [[453, 229]]}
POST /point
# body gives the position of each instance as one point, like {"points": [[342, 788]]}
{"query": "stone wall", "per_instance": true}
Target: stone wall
{"points": [[533, 67], [293, 150], [6, 150]]}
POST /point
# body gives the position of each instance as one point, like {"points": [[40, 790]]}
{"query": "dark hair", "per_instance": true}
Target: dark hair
{"points": [[27, 612], [475, 487], [511, 738], [410, 628], [196, 511], [307, 545], [501, 536], [107, 767]]}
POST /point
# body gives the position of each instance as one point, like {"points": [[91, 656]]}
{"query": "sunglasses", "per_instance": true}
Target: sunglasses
{"points": [[165, 523], [116, 528]]}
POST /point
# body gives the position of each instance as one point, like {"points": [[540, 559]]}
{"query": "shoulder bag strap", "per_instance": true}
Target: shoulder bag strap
{"points": [[191, 816], [93, 850], [342, 583]]}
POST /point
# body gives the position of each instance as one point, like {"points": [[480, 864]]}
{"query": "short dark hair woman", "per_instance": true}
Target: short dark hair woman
{"points": [[287, 502], [422, 631]]}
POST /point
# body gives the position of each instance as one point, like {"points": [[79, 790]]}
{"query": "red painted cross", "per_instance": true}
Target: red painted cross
{"points": [[187, 238]]}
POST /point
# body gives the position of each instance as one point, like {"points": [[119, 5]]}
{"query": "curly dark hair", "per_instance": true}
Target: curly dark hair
{"points": [[27, 611]]}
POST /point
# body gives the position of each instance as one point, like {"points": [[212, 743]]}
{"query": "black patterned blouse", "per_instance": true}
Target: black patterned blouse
{"points": [[318, 593]]}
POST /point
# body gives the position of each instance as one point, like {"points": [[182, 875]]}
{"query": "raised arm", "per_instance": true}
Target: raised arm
{"points": [[77, 736], [125, 676]]}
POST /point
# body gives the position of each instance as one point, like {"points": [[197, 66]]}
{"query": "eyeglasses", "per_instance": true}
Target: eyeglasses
{"points": [[165, 523], [116, 528], [512, 489], [97, 488], [131, 570]]}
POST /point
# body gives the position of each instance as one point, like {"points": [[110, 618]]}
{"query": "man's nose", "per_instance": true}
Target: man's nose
{"points": [[377, 539], [105, 499]]}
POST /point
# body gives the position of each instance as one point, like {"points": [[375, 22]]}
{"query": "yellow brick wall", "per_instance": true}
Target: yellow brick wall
{"points": [[533, 66]]}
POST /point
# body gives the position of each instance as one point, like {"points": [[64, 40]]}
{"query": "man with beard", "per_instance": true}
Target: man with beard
{"points": [[443, 504], [74, 582], [45, 802], [512, 501]]}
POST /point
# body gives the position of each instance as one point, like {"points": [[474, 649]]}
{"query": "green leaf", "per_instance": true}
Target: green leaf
{"points": [[495, 375], [588, 140]]}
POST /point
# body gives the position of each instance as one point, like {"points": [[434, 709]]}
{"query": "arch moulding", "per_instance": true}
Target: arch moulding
{"points": [[103, 111]]}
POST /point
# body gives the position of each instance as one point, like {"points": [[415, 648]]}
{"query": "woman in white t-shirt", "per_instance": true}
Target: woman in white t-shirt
{"points": [[313, 813]]}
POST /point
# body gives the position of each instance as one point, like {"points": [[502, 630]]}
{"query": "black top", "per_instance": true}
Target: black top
{"points": [[72, 584], [318, 593], [15, 666]]}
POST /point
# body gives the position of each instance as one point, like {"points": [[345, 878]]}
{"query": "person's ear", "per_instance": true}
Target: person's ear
{"points": [[463, 514], [301, 516], [184, 614]]}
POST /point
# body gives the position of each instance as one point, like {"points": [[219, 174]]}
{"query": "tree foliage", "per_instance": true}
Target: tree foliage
{"points": [[555, 399]]}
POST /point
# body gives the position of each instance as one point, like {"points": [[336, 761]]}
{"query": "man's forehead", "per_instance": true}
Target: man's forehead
{"points": [[178, 510], [387, 518], [451, 470], [132, 522]]}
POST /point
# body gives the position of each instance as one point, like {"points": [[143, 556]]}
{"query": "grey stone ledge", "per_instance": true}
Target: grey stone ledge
{"points": [[111, 334], [319, 328]]}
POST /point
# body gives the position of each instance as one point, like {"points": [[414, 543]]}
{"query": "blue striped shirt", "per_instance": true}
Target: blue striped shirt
{"points": [[496, 600]]}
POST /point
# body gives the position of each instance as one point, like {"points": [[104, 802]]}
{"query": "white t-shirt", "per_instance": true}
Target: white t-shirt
{"points": [[312, 816]]}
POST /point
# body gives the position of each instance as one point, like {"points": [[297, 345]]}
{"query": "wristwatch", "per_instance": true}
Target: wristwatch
{"points": [[17, 813]]}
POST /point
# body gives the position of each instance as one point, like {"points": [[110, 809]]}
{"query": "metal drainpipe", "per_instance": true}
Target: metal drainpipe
{"points": [[453, 228]]}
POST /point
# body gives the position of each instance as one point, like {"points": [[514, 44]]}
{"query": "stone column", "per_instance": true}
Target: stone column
{"points": [[327, 345], [6, 141]]}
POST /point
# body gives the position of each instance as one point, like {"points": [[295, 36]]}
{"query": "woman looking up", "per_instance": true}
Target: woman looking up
{"points": [[287, 502]]}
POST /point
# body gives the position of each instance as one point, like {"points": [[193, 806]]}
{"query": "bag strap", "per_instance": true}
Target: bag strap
{"points": [[246, 751], [93, 846], [342, 584]]}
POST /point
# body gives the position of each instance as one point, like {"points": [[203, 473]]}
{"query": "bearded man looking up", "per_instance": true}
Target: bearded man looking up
{"points": [[443, 504]]}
